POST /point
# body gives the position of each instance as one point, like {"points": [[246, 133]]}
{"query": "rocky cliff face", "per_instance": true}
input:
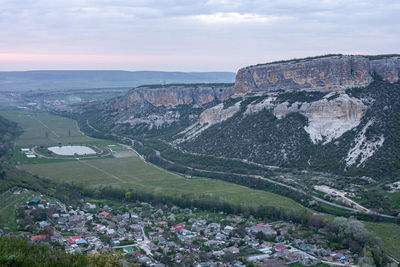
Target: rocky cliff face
{"points": [[152, 108], [352, 131], [171, 96], [327, 118], [387, 68], [333, 73]]}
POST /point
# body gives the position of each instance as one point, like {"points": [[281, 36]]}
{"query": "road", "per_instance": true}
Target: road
{"points": [[247, 175], [278, 183]]}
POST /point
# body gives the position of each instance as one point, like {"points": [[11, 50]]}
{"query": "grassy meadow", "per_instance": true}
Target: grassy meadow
{"points": [[41, 128], [134, 173], [390, 235], [14, 201]]}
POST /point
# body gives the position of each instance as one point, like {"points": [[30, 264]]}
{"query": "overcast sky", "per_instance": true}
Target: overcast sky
{"points": [[189, 35]]}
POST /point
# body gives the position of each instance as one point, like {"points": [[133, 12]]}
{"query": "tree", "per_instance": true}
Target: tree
{"points": [[260, 236], [228, 257], [105, 259]]}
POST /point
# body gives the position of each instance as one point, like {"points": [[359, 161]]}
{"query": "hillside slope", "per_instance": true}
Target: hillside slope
{"points": [[331, 113], [354, 132]]}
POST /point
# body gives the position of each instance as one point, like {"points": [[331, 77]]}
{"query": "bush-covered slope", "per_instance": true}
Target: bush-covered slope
{"points": [[262, 138], [8, 132], [19, 252]]}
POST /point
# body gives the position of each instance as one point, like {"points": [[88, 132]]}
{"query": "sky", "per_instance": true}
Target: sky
{"points": [[190, 35]]}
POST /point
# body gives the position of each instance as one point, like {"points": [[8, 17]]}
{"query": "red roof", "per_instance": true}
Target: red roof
{"points": [[39, 237], [163, 223], [74, 237], [104, 213], [280, 247], [71, 241], [260, 224], [180, 226]]}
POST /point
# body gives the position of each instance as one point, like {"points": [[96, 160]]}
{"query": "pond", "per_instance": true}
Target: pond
{"points": [[72, 150]]}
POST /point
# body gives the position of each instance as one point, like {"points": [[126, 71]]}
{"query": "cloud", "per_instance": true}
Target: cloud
{"points": [[227, 34], [235, 17]]}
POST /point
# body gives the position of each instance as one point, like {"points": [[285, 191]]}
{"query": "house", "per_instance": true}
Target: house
{"points": [[80, 241], [104, 214], [38, 238], [43, 224], [265, 250], [258, 257], [220, 236], [34, 201], [63, 220], [228, 229], [218, 253], [265, 229], [76, 239], [163, 223], [178, 227], [89, 206], [145, 261], [233, 250], [280, 248]]}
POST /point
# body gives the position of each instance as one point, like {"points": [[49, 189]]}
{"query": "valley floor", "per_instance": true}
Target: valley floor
{"points": [[133, 173]]}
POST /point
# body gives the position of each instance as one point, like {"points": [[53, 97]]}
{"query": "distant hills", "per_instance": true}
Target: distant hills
{"points": [[81, 79]]}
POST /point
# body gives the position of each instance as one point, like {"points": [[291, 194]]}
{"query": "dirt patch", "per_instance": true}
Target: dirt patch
{"points": [[124, 154]]}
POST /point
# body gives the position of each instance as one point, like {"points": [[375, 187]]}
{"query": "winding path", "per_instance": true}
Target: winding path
{"points": [[158, 154]]}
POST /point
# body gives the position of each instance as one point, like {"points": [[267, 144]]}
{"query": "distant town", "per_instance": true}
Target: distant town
{"points": [[165, 235]]}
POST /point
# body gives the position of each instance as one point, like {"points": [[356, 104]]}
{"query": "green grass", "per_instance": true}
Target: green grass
{"points": [[9, 203], [134, 173], [37, 124], [390, 235]]}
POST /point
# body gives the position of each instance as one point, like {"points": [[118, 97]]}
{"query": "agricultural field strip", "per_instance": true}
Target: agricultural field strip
{"points": [[46, 127], [61, 129], [103, 171], [144, 177]]}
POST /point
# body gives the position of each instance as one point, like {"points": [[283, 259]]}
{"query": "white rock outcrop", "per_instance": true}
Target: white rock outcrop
{"points": [[327, 119], [218, 114], [363, 148]]}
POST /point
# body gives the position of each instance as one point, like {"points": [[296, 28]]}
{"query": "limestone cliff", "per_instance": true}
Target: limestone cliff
{"points": [[218, 114], [331, 73], [174, 95], [327, 119], [150, 108], [387, 68]]}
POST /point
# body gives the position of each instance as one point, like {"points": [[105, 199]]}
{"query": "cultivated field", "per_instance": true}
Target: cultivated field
{"points": [[42, 128], [134, 173], [126, 172]]}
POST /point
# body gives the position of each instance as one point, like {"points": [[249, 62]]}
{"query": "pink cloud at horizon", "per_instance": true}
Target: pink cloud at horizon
{"points": [[79, 58]]}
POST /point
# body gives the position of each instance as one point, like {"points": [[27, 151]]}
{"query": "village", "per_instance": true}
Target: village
{"points": [[168, 235]]}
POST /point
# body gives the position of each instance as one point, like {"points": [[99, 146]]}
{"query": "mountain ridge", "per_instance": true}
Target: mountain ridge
{"points": [[327, 73], [343, 123]]}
